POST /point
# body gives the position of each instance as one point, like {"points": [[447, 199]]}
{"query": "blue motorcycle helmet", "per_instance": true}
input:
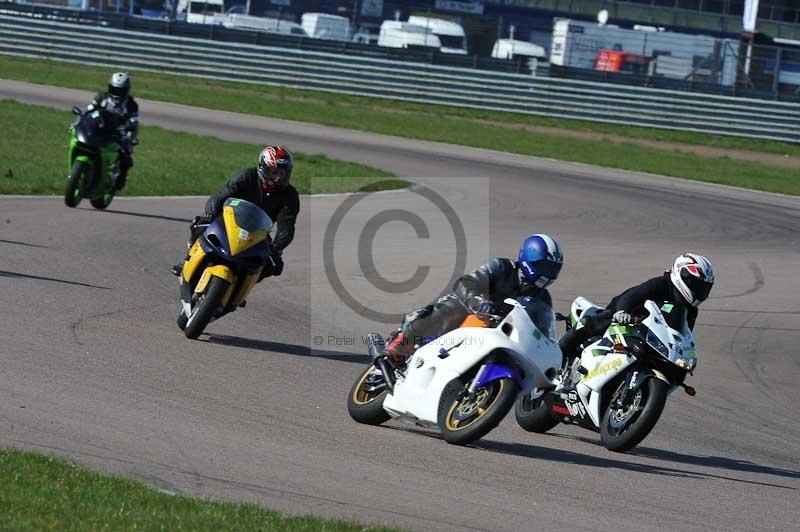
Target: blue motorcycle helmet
{"points": [[540, 260]]}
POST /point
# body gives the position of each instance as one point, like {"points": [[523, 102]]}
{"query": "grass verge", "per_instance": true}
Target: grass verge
{"points": [[44, 493], [33, 160], [440, 123]]}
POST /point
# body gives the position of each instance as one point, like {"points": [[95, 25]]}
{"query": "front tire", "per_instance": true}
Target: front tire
{"points": [[463, 419], [367, 406], [204, 310], [624, 427], [534, 415], [75, 182]]}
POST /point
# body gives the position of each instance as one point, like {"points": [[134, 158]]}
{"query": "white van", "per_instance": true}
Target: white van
{"points": [[249, 22], [510, 48], [397, 34], [324, 26], [451, 34], [200, 11]]}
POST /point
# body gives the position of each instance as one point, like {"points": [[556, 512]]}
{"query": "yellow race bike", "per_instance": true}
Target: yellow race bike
{"points": [[223, 265]]}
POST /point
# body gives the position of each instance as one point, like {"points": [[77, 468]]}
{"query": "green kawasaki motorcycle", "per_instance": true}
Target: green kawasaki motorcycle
{"points": [[92, 160]]}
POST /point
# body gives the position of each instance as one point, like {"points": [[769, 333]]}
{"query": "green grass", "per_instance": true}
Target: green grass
{"points": [[43, 493], [33, 160], [441, 123]]}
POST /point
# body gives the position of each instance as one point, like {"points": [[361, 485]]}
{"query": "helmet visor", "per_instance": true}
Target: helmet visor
{"points": [[119, 92], [700, 287]]}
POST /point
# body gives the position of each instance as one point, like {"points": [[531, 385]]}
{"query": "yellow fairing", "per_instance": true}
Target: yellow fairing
{"points": [[238, 239], [247, 285], [196, 255], [219, 270]]}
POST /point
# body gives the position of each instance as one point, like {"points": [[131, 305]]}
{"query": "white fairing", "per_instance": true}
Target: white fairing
{"points": [[416, 397]]}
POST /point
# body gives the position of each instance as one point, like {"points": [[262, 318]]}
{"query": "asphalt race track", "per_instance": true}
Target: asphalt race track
{"points": [[92, 366]]}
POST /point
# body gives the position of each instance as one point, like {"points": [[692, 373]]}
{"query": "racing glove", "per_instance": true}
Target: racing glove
{"points": [[479, 305], [622, 317]]}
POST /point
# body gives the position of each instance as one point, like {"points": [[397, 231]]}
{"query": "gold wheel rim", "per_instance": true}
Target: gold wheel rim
{"points": [[362, 397], [456, 424]]}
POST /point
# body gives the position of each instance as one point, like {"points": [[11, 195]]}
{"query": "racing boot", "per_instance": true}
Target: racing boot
{"points": [[398, 349]]}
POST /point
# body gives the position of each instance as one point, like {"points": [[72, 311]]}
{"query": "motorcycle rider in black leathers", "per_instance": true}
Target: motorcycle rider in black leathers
{"points": [[482, 292], [119, 107], [266, 185], [687, 284]]}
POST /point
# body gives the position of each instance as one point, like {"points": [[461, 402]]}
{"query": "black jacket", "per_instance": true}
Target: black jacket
{"points": [[657, 289], [282, 206], [125, 118], [496, 280]]}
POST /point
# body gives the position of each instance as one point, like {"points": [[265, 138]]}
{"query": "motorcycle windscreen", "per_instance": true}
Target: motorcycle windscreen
{"points": [[92, 131], [542, 316], [246, 224]]}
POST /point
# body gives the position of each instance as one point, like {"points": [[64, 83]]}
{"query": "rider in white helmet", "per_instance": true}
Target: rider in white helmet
{"points": [[121, 112], [688, 283]]}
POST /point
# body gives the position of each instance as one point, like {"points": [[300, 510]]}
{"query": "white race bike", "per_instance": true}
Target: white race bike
{"points": [[465, 381], [620, 383]]}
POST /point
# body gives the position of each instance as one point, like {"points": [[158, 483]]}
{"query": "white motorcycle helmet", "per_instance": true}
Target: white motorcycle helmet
{"points": [[693, 276]]}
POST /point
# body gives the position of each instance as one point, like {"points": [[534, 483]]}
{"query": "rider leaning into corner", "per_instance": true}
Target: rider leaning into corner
{"points": [[266, 185], [481, 291], [687, 284], [119, 107]]}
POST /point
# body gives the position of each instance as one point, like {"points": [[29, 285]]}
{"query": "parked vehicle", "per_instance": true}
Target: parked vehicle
{"points": [[397, 34], [200, 11], [250, 22], [325, 26], [511, 49], [465, 381], [451, 34]]}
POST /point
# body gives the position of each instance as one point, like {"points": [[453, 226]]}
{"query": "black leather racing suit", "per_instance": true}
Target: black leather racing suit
{"points": [[282, 206], [658, 289], [124, 117], [494, 280]]}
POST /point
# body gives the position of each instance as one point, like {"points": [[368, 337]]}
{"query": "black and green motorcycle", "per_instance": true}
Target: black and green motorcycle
{"points": [[92, 160]]}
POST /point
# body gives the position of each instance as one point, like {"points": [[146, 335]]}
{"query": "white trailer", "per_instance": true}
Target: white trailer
{"points": [[397, 34], [451, 34]]}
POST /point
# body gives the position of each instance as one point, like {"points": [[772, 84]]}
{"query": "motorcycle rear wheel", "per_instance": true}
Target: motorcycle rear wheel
{"points": [[103, 201], [75, 182], [623, 428], [464, 419], [204, 310], [533, 415], [366, 407]]}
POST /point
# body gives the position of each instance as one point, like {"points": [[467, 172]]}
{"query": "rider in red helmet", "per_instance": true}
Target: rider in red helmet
{"points": [[266, 185]]}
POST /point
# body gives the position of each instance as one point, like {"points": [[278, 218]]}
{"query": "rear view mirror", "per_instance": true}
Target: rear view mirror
{"points": [[76, 110]]}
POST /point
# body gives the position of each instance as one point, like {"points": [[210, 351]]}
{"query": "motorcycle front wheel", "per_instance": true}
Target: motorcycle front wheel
{"points": [[206, 306], [75, 182], [365, 401], [624, 426], [464, 417]]}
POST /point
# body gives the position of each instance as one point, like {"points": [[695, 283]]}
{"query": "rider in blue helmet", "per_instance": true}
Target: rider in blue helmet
{"points": [[482, 291]]}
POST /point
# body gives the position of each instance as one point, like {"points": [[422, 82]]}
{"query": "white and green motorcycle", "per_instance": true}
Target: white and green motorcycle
{"points": [[620, 383]]}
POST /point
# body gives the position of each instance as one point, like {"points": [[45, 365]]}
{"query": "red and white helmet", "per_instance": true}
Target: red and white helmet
{"points": [[693, 276], [275, 165]]}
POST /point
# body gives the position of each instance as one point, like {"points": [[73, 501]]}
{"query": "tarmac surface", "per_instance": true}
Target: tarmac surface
{"points": [[92, 366]]}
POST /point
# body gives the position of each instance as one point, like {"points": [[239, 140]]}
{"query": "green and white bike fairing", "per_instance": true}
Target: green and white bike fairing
{"points": [[620, 382], [604, 364]]}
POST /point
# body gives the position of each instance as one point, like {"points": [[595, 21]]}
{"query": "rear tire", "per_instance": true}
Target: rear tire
{"points": [[619, 434], [365, 407], [534, 415], [204, 310], [103, 201], [75, 182], [462, 421], [182, 321]]}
